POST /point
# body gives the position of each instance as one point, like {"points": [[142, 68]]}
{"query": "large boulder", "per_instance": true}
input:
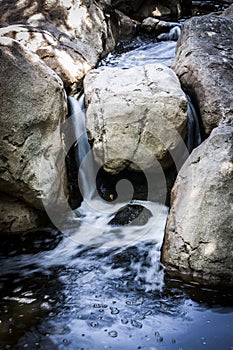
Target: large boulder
{"points": [[204, 65], [60, 32], [33, 104], [198, 242], [134, 116], [70, 60]]}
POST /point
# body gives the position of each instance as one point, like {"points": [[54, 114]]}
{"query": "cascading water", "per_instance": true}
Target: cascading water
{"points": [[84, 158], [194, 138]]}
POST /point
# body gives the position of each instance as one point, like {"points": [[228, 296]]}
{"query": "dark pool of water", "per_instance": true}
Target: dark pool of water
{"points": [[101, 299]]}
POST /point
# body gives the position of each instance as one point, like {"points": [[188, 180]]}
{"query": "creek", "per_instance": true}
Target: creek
{"points": [[100, 286]]}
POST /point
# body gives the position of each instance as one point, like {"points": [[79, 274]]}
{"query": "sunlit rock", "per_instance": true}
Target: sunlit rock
{"points": [[135, 116], [33, 104], [198, 243]]}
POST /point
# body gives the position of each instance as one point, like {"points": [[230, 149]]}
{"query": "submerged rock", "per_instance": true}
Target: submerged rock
{"points": [[135, 116], [131, 214], [198, 243], [204, 65], [33, 104]]}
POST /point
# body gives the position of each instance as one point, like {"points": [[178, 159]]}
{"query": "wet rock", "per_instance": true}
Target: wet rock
{"points": [[134, 121], [131, 214], [33, 104], [164, 30], [204, 65], [198, 241]]}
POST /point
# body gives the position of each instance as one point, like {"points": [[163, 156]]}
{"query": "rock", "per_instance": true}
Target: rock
{"points": [[204, 65], [198, 242], [70, 60], [142, 9], [33, 104], [134, 116], [71, 18], [228, 12], [16, 216], [60, 33], [131, 214]]}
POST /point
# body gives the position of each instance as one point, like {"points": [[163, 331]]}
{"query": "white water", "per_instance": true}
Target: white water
{"points": [[84, 155]]}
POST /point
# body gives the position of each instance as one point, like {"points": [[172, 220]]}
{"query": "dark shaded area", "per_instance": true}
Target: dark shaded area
{"points": [[106, 184], [131, 214], [31, 242], [74, 193]]}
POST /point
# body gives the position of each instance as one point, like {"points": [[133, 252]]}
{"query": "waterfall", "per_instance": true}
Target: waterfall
{"points": [[193, 127], [83, 154]]}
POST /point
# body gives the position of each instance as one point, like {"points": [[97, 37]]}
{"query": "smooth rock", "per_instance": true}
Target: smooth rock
{"points": [[198, 243], [61, 33], [33, 104], [204, 65], [134, 116], [131, 214], [70, 60]]}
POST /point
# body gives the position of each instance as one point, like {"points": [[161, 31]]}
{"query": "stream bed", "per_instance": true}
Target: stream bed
{"points": [[101, 287]]}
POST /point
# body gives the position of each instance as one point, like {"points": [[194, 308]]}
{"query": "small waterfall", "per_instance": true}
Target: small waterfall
{"points": [[84, 157], [194, 138]]}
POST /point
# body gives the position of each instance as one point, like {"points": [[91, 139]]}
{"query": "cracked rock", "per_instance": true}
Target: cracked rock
{"points": [[198, 242]]}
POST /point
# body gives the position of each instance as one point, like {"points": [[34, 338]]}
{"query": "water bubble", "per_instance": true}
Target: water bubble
{"points": [[159, 338], [94, 324], [66, 341], [136, 324], [113, 334], [124, 321], [99, 306], [114, 310]]}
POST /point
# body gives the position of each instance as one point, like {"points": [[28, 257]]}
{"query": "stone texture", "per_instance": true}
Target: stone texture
{"points": [[134, 115], [16, 216], [142, 9], [204, 65], [198, 243], [228, 12], [33, 104], [69, 36], [70, 60]]}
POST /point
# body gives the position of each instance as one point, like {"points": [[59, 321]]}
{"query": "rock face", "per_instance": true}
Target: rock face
{"points": [[228, 12], [142, 9], [198, 243], [33, 104], [134, 116], [62, 34], [204, 65]]}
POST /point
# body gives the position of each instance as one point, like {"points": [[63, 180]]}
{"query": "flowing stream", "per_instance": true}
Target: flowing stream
{"points": [[98, 286]]}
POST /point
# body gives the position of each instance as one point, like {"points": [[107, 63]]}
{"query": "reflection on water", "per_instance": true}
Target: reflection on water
{"points": [[140, 52], [100, 298]]}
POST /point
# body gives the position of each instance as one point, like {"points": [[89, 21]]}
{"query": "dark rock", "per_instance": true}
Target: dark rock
{"points": [[131, 214]]}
